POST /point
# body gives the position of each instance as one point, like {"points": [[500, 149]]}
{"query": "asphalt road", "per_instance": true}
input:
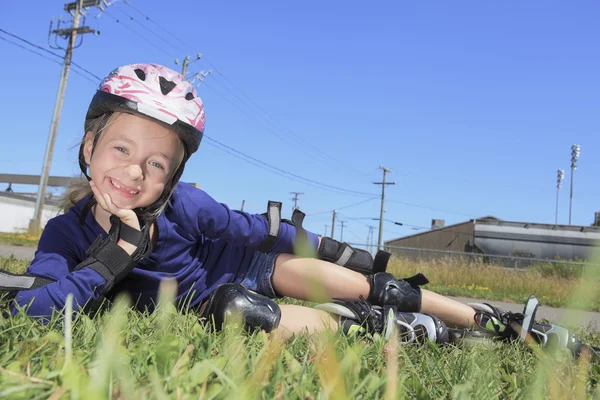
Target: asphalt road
{"points": [[588, 319], [20, 252]]}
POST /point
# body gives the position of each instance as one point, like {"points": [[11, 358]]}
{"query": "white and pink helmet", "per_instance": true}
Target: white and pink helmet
{"points": [[156, 92]]}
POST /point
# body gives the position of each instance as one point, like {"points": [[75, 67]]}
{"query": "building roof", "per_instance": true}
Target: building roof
{"points": [[491, 220]]}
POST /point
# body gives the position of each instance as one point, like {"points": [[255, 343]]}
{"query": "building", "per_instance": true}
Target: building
{"points": [[17, 210], [492, 236]]}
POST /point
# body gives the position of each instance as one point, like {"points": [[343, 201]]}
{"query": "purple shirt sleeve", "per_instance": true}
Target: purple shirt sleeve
{"points": [[215, 221], [55, 259]]}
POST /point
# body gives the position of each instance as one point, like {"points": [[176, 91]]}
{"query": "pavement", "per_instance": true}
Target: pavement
{"points": [[559, 316], [569, 317], [20, 252]]}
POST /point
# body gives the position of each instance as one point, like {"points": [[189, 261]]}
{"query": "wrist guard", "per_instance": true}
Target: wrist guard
{"points": [[109, 259]]}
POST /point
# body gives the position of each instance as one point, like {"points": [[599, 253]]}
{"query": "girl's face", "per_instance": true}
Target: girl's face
{"points": [[133, 160]]}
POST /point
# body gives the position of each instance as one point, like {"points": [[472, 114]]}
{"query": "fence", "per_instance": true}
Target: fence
{"points": [[517, 262]]}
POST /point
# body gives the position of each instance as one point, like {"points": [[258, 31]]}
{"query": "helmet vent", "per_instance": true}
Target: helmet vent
{"points": [[165, 85], [189, 96], [140, 74]]}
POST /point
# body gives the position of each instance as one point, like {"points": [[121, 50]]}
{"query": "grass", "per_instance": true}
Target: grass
{"points": [[484, 281], [125, 354], [19, 239]]}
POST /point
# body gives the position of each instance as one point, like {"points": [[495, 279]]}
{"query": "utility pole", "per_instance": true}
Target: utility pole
{"points": [[342, 235], [186, 62], [71, 35], [295, 198], [199, 76], [385, 171], [243, 202], [370, 239], [333, 224], [325, 234]]}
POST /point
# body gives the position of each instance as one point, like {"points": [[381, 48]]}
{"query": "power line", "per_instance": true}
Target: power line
{"points": [[341, 208], [49, 52], [425, 229], [161, 37], [352, 232], [316, 153], [155, 23], [138, 34], [367, 225], [307, 181], [30, 50], [248, 115], [47, 58], [431, 208], [268, 118], [225, 78], [252, 117]]}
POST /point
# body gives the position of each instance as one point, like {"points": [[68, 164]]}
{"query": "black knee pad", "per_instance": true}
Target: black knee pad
{"points": [[404, 294], [355, 259], [232, 300]]}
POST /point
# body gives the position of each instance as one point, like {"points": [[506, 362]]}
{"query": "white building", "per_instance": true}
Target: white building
{"points": [[16, 211]]}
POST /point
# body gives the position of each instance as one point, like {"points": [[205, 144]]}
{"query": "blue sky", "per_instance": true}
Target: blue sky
{"points": [[473, 105]]}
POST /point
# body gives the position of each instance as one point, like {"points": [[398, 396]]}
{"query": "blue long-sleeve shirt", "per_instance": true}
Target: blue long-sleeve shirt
{"points": [[201, 243]]}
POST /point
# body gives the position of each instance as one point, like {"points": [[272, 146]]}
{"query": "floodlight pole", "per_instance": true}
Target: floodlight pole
{"points": [[575, 152], [560, 174]]}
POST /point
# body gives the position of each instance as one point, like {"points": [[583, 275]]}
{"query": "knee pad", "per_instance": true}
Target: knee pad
{"points": [[355, 259], [231, 300], [404, 294]]}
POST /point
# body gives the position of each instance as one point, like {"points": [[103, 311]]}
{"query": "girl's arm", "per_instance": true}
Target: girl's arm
{"points": [[205, 216], [56, 258]]}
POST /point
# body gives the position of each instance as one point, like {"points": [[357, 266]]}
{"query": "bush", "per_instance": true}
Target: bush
{"points": [[560, 270]]}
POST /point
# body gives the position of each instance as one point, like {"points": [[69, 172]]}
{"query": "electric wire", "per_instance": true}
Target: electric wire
{"points": [[304, 180], [50, 52], [47, 58], [137, 33], [268, 118]]}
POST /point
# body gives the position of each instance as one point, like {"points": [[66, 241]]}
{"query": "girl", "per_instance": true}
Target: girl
{"points": [[132, 225]]}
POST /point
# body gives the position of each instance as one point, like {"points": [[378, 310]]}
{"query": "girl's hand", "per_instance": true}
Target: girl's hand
{"points": [[128, 217]]}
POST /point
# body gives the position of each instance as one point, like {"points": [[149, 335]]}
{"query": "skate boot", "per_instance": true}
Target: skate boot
{"points": [[521, 326], [363, 318]]}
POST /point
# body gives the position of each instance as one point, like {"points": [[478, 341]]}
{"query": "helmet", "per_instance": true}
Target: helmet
{"points": [[156, 92], [153, 91]]}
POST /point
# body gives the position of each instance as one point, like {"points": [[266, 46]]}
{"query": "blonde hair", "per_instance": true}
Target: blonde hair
{"points": [[79, 188]]}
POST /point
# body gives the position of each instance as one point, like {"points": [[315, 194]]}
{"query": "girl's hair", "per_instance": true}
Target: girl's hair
{"points": [[80, 188]]}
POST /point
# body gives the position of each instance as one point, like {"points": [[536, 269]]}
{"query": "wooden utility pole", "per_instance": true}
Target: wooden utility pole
{"points": [[370, 239], [295, 198], [342, 234], [186, 62], [385, 171], [333, 224], [71, 35]]}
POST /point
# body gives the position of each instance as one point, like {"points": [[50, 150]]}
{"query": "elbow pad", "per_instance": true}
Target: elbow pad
{"points": [[273, 217], [355, 259]]}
